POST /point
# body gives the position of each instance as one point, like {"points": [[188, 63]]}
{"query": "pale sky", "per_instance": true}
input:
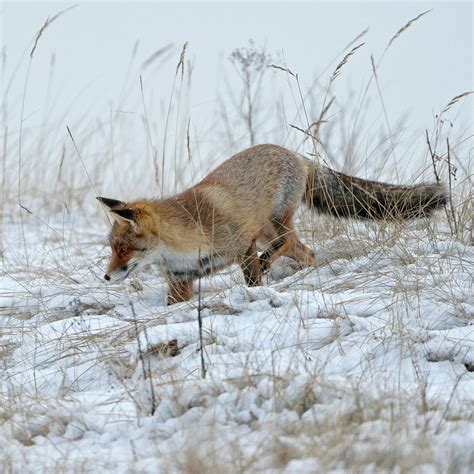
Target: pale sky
{"points": [[82, 70]]}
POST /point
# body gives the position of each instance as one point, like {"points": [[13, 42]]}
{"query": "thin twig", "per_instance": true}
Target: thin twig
{"points": [[450, 174], [405, 27], [385, 114], [454, 100], [434, 158], [146, 376], [2, 203], [458, 379], [180, 64], [157, 54], [150, 141], [82, 161], [20, 149], [369, 82], [341, 64], [357, 38], [168, 113], [201, 345], [188, 141], [316, 125], [178, 110], [306, 132], [281, 68], [48, 22]]}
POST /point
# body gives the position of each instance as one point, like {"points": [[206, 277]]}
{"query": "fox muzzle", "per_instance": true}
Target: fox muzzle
{"points": [[121, 273]]}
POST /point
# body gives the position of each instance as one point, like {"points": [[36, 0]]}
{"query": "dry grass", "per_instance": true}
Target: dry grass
{"points": [[405, 27], [334, 423]]}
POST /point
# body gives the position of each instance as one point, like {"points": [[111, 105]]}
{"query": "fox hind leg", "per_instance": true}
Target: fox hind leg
{"points": [[283, 242], [279, 237], [297, 251]]}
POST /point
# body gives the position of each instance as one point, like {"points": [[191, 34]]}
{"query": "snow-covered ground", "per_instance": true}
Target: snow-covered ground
{"points": [[364, 363]]}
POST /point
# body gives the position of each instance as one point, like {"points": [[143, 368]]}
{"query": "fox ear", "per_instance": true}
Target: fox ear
{"points": [[110, 203], [124, 216]]}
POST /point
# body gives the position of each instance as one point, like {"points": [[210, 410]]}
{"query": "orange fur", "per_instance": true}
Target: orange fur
{"points": [[247, 202]]}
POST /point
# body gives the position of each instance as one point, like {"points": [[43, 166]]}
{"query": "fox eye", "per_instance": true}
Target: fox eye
{"points": [[122, 250]]}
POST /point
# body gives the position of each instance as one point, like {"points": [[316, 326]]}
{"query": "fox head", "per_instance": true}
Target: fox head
{"points": [[131, 238]]}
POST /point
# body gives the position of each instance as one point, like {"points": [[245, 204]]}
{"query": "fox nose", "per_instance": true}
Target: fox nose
{"points": [[107, 277]]}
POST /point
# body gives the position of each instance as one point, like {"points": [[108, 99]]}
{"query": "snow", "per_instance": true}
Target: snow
{"points": [[364, 362]]}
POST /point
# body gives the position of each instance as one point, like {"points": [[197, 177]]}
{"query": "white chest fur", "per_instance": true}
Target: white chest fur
{"points": [[184, 266]]}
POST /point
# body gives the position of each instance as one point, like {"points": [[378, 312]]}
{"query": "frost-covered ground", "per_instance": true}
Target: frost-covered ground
{"points": [[364, 363]]}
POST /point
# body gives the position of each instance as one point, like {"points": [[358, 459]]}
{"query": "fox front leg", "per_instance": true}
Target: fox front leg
{"points": [[250, 265]]}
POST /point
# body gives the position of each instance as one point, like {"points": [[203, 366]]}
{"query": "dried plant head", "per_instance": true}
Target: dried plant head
{"points": [[250, 59]]}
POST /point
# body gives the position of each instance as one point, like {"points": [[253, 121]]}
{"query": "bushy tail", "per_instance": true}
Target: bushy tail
{"points": [[345, 196]]}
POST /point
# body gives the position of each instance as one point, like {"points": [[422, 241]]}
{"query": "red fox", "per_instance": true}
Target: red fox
{"points": [[247, 204]]}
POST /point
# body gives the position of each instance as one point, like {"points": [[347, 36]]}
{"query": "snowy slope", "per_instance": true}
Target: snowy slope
{"points": [[365, 362]]}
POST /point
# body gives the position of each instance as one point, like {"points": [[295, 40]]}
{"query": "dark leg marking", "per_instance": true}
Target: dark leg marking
{"points": [[250, 265], [203, 268], [266, 257]]}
